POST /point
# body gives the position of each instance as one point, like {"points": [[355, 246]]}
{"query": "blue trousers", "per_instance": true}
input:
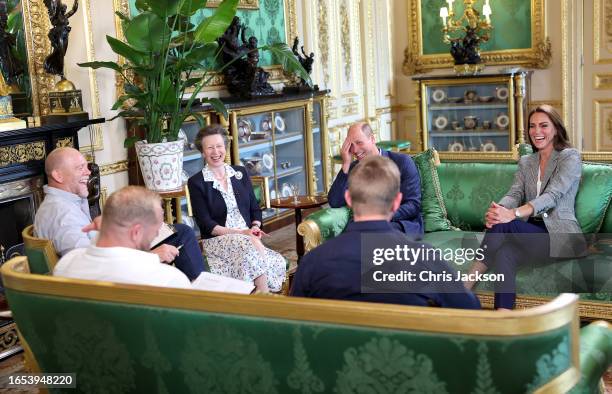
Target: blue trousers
{"points": [[507, 247], [190, 260]]}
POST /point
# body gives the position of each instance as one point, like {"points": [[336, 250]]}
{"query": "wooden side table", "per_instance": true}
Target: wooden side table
{"points": [[297, 204], [175, 196]]}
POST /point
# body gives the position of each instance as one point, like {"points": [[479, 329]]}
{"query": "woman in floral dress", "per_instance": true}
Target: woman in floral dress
{"points": [[229, 217]]}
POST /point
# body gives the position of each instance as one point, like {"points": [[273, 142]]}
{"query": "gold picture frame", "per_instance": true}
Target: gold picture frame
{"points": [[538, 56], [277, 73]]}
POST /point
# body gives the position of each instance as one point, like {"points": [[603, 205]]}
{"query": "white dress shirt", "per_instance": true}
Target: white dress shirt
{"points": [[119, 264], [60, 218]]}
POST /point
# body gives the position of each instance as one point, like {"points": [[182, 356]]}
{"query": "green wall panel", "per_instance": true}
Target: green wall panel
{"points": [[266, 23], [511, 22]]}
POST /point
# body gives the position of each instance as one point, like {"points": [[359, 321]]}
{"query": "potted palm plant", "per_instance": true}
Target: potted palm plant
{"points": [[168, 60]]}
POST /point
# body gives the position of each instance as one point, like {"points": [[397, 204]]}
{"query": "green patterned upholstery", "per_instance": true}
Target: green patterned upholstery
{"points": [[469, 188], [331, 221], [118, 338]]}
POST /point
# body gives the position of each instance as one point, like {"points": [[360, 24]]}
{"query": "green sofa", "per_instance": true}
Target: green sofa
{"points": [[127, 338], [455, 198]]}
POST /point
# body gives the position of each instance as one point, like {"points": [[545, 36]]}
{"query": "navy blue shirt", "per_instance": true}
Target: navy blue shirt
{"points": [[333, 271], [407, 218]]}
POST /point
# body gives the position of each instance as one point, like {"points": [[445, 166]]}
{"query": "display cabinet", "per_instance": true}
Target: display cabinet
{"points": [[473, 118], [280, 141]]}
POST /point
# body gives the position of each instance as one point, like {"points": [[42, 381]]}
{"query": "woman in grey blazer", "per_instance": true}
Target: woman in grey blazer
{"points": [[535, 220]]}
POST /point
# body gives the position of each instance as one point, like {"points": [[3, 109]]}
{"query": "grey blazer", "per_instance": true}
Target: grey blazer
{"points": [[556, 200]]}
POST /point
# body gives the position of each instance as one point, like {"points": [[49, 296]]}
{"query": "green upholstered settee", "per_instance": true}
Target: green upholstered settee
{"points": [[465, 191], [128, 338]]}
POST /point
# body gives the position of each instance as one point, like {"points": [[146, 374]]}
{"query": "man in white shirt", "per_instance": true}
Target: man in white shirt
{"points": [[64, 213], [131, 219]]}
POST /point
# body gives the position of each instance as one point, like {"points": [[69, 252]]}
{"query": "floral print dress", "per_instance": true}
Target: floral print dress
{"points": [[235, 255]]}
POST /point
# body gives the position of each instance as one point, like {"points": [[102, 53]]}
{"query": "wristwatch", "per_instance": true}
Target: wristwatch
{"points": [[517, 213]]}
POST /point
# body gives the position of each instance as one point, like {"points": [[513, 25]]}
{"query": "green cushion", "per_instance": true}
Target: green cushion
{"points": [[593, 196], [394, 144], [432, 202]]}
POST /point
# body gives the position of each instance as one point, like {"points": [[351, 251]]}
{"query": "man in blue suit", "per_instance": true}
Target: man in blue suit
{"points": [[337, 269], [360, 143]]}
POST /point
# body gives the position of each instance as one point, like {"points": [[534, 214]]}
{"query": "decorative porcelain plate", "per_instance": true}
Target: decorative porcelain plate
{"points": [[502, 93], [438, 95], [456, 147], [441, 122], [268, 161], [488, 146], [244, 130], [502, 121], [279, 123]]}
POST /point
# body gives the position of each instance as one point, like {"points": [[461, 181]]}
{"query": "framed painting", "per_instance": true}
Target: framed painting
{"points": [[517, 38]]}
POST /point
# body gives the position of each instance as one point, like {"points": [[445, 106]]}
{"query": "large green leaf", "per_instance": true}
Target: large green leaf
{"points": [[164, 8], [147, 32], [123, 49], [201, 53], [167, 94], [288, 60], [97, 65], [190, 7], [217, 105], [214, 26]]}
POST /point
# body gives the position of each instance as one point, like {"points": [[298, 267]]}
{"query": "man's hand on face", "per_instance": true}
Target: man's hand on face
{"points": [[166, 253], [346, 154]]}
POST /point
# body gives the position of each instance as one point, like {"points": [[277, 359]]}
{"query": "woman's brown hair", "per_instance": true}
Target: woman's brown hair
{"points": [[561, 140], [213, 129]]}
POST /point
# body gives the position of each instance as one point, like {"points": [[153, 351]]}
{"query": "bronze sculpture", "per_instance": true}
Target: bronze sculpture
{"points": [[58, 35], [465, 50], [243, 78], [305, 60]]}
